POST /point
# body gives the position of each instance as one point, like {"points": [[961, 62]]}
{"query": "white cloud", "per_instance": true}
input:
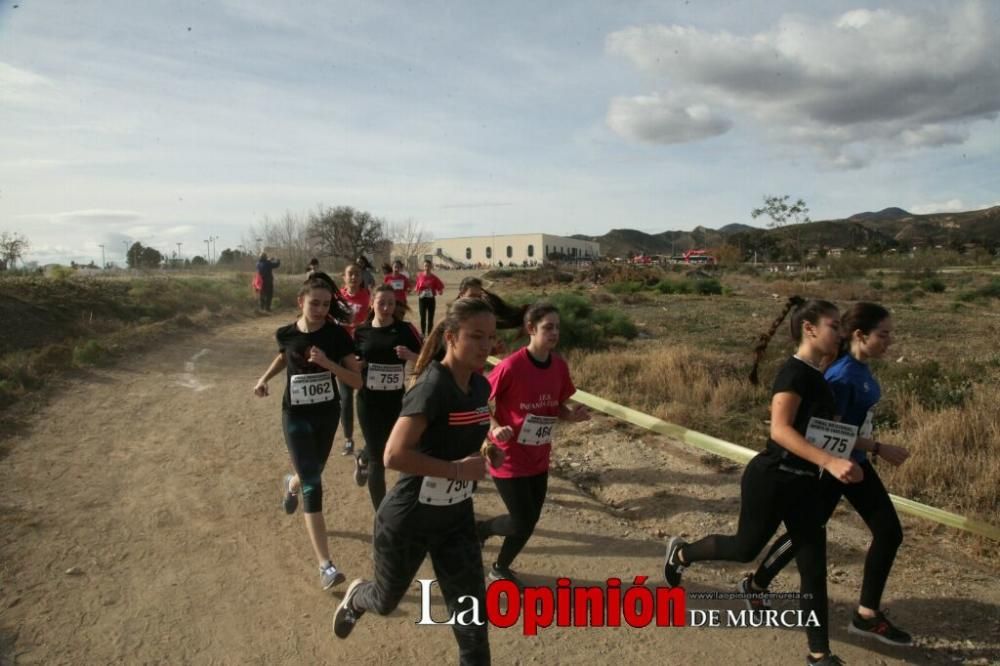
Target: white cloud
{"points": [[950, 206], [97, 216], [660, 119], [862, 85], [20, 85]]}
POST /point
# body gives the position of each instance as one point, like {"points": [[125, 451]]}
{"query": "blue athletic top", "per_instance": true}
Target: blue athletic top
{"points": [[856, 393]]}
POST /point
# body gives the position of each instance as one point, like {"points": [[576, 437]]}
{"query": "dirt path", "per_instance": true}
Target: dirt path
{"points": [[141, 524]]}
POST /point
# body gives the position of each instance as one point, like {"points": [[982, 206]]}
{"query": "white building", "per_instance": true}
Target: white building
{"points": [[516, 249]]}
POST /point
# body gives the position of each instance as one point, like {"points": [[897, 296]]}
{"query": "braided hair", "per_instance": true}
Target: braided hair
{"points": [[802, 311]]}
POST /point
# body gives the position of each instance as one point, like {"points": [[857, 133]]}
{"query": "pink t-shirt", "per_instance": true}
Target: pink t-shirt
{"points": [[359, 303], [400, 285], [428, 286], [527, 398]]}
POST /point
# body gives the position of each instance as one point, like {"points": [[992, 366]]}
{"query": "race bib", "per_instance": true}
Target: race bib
{"points": [[398, 285], [426, 293], [385, 377], [867, 427], [311, 388], [834, 437], [444, 492], [536, 430]]}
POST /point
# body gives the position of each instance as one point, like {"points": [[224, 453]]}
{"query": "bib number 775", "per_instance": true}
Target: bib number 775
{"points": [[834, 437]]}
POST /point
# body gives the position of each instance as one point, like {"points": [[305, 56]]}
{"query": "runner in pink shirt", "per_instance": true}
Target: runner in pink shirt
{"points": [[400, 282], [359, 300], [529, 392], [427, 288]]}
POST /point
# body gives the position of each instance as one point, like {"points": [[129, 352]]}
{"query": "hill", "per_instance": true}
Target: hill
{"points": [[888, 228]]}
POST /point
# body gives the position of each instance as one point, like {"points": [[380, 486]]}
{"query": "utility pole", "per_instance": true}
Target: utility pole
{"points": [[125, 243], [103, 263], [208, 252], [215, 254], [179, 251]]}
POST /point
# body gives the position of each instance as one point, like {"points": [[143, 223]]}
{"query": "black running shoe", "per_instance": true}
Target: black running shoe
{"points": [[825, 660], [345, 617], [755, 600], [672, 567], [505, 573], [348, 448], [879, 628], [360, 470]]}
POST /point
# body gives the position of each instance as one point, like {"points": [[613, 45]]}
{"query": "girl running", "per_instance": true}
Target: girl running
{"points": [[358, 298], [435, 445], [868, 329], [428, 286], [384, 346], [314, 351], [781, 484], [399, 281], [528, 391]]}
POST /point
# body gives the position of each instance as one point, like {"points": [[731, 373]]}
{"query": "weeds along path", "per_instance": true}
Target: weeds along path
{"points": [[141, 524]]}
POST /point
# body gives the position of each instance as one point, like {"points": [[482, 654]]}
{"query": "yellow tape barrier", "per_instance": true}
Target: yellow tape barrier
{"points": [[743, 455]]}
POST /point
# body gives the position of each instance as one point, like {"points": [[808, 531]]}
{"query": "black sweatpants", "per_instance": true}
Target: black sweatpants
{"points": [[400, 547], [309, 440], [266, 296], [377, 417], [426, 307], [871, 500], [523, 497], [770, 496]]}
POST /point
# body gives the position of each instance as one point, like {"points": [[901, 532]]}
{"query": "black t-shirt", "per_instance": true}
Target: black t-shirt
{"points": [[808, 383], [457, 423], [315, 395], [376, 345]]}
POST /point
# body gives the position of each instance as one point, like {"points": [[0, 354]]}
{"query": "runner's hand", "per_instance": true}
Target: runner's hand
{"points": [[493, 453], [894, 455], [845, 471], [317, 357], [502, 433], [578, 414], [471, 468], [405, 353], [260, 390]]}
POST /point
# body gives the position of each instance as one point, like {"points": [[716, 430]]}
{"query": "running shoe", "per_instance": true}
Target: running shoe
{"points": [[348, 448], [289, 500], [755, 600], [345, 617], [360, 470], [330, 576], [672, 567], [505, 573], [879, 628], [825, 660]]}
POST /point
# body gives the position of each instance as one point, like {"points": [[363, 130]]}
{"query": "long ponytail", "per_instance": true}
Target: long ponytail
{"points": [[802, 311]]}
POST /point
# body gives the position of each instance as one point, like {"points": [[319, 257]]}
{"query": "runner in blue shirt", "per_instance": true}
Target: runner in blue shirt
{"points": [[868, 331]]}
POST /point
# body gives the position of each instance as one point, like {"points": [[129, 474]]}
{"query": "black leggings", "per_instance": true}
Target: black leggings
{"points": [[426, 307], [871, 500], [524, 497], [346, 409], [400, 549], [769, 496], [377, 418], [309, 440]]}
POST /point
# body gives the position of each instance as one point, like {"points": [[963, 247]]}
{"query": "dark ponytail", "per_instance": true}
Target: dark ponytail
{"points": [[802, 311], [458, 312], [340, 310], [864, 317]]}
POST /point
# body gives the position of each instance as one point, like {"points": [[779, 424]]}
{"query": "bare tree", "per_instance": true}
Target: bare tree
{"points": [[410, 241], [13, 246], [286, 238], [782, 211], [345, 232]]}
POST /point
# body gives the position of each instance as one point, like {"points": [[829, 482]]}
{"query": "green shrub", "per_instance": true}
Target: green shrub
{"points": [[88, 353], [626, 287], [711, 287], [934, 285], [876, 284]]}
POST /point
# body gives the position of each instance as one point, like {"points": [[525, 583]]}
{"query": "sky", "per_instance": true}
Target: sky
{"points": [[174, 122]]}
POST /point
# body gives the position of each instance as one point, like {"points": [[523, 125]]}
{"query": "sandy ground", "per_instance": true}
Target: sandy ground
{"points": [[141, 524]]}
